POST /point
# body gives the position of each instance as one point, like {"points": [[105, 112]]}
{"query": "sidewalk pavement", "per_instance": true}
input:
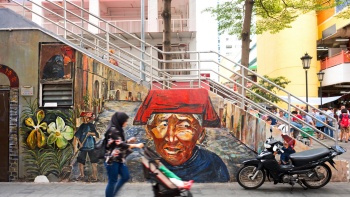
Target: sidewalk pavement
{"points": [[75, 189]]}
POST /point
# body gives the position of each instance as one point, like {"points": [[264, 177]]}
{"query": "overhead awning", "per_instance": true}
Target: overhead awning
{"points": [[253, 67], [311, 100]]}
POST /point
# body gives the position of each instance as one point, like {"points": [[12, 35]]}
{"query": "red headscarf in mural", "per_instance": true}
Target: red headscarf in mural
{"points": [[182, 101]]}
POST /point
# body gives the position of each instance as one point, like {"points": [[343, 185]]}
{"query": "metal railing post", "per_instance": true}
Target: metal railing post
{"points": [[151, 62], [107, 41], [142, 65], [289, 114], [199, 69], [82, 24], [243, 87], [24, 13], [65, 18]]}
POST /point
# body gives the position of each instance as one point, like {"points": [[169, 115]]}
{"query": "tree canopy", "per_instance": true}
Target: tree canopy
{"points": [[280, 81], [271, 15]]}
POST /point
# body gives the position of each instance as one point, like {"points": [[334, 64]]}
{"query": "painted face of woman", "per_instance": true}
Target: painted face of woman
{"points": [[175, 136]]}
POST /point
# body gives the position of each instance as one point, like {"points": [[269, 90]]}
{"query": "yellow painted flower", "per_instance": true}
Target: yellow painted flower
{"points": [[36, 138], [59, 133]]}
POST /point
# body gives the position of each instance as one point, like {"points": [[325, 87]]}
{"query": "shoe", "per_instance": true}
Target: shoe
{"points": [[340, 140], [80, 178], [91, 179], [188, 185], [346, 141]]}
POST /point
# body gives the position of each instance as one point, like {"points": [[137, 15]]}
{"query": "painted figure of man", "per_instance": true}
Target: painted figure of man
{"points": [[59, 66], [175, 120], [85, 130]]}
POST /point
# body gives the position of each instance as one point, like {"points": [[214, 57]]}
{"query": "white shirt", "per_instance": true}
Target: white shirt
{"points": [[329, 113]]}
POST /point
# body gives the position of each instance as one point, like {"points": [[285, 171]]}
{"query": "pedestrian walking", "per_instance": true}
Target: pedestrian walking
{"points": [[116, 166]]}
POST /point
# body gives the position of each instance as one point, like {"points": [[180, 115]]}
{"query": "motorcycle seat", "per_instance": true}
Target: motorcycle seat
{"points": [[305, 157]]}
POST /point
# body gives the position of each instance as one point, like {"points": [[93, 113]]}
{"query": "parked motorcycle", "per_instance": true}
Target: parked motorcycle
{"points": [[307, 168]]}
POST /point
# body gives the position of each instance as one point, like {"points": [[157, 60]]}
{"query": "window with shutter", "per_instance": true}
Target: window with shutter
{"points": [[56, 95]]}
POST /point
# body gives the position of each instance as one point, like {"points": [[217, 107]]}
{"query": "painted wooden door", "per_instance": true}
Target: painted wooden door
{"points": [[4, 135]]}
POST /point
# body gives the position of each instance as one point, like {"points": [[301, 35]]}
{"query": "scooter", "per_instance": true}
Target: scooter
{"points": [[307, 168], [162, 186]]}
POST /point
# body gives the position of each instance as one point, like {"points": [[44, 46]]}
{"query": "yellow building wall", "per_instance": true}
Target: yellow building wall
{"points": [[279, 55]]}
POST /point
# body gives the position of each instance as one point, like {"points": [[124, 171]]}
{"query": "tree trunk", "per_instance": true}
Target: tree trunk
{"points": [[246, 41], [166, 14]]}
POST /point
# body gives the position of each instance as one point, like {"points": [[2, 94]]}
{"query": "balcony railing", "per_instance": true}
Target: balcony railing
{"points": [[340, 58]]}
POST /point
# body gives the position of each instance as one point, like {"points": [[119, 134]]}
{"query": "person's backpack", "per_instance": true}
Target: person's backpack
{"points": [[344, 122], [99, 149]]}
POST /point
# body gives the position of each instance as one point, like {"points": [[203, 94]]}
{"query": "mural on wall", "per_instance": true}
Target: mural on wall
{"points": [[95, 83], [47, 141], [245, 126], [121, 90], [197, 134], [183, 126], [176, 121], [56, 61]]}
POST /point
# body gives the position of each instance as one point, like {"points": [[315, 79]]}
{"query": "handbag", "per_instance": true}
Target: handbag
{"points": [[99, 150], [89, 144]]}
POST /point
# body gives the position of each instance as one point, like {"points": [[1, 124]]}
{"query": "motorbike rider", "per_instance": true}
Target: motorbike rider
{"points": [[288, 149]]}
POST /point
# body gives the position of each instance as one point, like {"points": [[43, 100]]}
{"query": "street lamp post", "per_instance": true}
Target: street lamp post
{"points": [[306, 60], [320, 79]]}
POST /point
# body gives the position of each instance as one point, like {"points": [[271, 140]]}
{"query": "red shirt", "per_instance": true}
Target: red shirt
{"points": [[298, 117]]}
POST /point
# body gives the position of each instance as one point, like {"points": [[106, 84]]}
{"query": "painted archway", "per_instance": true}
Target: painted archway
{"points": [[13, 121], [11, 74]]}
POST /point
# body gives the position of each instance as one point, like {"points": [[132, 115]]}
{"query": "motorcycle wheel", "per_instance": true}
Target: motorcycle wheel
{"points": [[324, 170], [245, 174]]}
